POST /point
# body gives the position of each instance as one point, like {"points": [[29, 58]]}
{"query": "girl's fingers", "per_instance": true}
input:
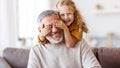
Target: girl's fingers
{"points": [[47, 30], [58, 24]]}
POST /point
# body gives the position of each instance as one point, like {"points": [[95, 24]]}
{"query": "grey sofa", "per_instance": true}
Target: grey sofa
{"points": [[14, 58], [18, 58]]}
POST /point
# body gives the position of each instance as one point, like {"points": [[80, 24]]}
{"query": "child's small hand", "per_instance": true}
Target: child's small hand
{"points": [[45, 30], [61, 25]]}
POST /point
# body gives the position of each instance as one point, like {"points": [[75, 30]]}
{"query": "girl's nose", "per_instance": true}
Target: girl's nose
{"points": [[66, 16]]}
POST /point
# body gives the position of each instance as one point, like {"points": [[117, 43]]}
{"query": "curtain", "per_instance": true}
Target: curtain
{"points": [[27, 19], [8, 23]]}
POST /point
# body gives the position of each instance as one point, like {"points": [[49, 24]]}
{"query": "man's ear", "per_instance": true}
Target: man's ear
{"points": [[39, 29]]}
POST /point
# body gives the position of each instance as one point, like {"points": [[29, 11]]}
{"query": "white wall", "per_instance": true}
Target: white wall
{"points": [[99, 24]]}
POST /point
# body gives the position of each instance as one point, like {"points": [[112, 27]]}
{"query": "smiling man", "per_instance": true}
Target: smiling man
{"points": [[55, 54]]}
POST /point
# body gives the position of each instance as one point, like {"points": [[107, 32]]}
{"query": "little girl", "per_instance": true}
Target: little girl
{"points": [[72, 23]]}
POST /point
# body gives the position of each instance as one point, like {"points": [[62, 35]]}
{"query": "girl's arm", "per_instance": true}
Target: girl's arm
{"points": [[68, 38]]}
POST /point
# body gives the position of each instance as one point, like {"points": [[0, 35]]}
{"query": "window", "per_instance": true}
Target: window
{"points": [[28, 11]]}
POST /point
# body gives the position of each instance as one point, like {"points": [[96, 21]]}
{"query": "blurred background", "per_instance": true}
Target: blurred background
{"points": [[18, 26]]}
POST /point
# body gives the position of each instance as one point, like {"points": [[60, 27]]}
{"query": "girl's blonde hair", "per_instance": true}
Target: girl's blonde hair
{"points": [[77, 15]]}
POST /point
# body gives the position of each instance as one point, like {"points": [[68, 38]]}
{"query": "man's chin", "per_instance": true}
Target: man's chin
{"points": [[51, 40]]}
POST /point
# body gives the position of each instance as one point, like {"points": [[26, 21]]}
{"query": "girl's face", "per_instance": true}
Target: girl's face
{"points": [[66, 14]]}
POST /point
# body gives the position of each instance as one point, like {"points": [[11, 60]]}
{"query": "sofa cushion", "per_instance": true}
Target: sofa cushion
{"points": [[109, 57], [16, 57], [3, 63], [95, 51]]}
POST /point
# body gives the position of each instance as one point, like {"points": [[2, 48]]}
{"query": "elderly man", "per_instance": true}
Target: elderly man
{"points": [[55, 54]]}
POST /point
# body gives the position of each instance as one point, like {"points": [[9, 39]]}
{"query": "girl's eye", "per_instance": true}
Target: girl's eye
{"points": [[69, 13]]}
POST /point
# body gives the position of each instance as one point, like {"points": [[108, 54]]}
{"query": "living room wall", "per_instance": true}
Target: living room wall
{"points": [[99, 23]]}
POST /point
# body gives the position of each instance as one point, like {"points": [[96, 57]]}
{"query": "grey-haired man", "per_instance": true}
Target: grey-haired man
{"points": [[55, 54]]}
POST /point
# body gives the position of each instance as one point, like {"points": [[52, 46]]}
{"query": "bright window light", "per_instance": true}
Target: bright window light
{"points": [[28, 11]]}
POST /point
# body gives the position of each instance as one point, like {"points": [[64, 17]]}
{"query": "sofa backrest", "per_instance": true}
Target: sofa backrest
{"points": [[108, 57], [16, 57]]}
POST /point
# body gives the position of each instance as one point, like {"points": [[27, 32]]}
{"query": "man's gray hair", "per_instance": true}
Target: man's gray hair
{"points": [[46, 13]]}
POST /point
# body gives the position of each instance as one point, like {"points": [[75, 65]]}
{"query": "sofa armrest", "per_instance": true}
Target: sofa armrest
{"points": [[3, 63]]}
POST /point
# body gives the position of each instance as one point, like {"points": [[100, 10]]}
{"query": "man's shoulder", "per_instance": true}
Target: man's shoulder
{"points": [[82, 41], [37, 46]]}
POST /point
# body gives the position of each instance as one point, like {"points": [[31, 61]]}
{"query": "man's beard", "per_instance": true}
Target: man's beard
{"points": [[51, 40]]}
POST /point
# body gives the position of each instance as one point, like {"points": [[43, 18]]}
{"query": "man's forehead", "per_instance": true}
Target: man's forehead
{"points": [[50, 22]]}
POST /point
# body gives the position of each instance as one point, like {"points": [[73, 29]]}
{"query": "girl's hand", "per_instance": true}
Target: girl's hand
{"points": [[45, 30], [61, 25]]}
